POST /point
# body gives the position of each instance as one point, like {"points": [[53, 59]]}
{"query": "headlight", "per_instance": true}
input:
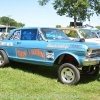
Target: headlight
{"points": [[89, 51]]}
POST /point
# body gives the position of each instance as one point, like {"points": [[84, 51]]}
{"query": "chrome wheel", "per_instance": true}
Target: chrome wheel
{"points": [[67, 75]]}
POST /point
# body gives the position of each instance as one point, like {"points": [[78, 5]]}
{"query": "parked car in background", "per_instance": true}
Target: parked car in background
{"points": [[51, 47], [4, 30], [76, 34], [94, 31]]}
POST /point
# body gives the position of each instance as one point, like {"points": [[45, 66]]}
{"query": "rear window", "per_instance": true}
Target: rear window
{"points": [[28, 34]]}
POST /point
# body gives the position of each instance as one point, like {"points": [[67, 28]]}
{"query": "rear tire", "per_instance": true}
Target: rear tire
{"points": [[3, 59], [68, 74]]}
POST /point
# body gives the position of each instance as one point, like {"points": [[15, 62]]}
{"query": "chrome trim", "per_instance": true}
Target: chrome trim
{"points": [[89, 51], [91, 61], [67, 75], [95, 53]]}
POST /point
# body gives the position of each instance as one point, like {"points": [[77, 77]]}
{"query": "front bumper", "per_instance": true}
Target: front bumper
{"points": [[91, 61]]}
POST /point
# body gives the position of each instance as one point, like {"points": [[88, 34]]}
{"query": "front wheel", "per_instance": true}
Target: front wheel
{"points": [[68, 74]]}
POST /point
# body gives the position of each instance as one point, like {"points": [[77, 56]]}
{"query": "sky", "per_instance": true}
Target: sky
{"points": [[31, 13]]}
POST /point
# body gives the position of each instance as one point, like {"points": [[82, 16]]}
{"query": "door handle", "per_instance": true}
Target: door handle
{"points": [[18, 42]]}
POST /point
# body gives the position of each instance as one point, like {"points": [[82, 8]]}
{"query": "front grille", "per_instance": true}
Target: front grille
{"points": [[95, 53]]}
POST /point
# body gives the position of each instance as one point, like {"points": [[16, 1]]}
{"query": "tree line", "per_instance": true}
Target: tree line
{"points": [[10, 22]]}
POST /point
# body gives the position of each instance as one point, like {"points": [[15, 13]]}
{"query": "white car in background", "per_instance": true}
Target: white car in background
{"points": [[94, 31], [77, 34]]}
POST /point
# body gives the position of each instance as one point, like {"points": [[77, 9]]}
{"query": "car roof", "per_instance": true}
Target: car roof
{"points": [[33, 27], [21, 28], [69, 28]]}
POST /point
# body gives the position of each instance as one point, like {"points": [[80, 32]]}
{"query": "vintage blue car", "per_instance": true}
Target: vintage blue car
{"points": [[51, 47]]}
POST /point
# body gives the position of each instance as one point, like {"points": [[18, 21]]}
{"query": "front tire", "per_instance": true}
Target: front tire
{"points": [[68, 74], [3, 59]]}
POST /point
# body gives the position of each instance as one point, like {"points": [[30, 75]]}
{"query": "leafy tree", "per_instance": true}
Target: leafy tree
{"points": [[20, 24], [10, 22], [4, 20], [98, 27], [95, 6], [79, 10], [58, 26]]}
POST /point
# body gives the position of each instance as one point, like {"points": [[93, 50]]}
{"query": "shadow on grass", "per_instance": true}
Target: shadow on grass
{"points": [[84, 79], [49, 72]]}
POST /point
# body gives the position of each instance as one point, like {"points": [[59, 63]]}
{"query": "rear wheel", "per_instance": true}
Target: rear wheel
{"points": [[3, 59], [68, 74]]}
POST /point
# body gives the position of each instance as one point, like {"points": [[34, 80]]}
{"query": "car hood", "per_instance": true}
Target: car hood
{"points": [[73, 44]]}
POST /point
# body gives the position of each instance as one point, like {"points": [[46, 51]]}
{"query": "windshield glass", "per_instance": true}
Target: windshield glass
{"points": [[50, 33], [87, 34], [94, 30], [97, 32]]}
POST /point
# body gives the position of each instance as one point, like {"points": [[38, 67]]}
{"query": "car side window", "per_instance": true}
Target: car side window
{"points": [[28, 34], [15, 35]]}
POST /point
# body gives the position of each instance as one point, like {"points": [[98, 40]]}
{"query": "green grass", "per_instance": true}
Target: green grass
{"points": [[30, 82]]}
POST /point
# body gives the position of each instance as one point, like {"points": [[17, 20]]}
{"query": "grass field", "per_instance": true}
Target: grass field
{"points": [[29, 82]]}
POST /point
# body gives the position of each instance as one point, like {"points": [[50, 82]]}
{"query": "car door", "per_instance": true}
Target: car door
{"points": [[25, 45], [29, 48], [10, 43]]}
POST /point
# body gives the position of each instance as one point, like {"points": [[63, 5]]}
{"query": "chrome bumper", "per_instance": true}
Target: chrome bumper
{"points": [[91, 61]]}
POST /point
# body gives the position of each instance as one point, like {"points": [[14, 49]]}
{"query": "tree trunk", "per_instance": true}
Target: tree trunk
{"points": [[75, 21]]}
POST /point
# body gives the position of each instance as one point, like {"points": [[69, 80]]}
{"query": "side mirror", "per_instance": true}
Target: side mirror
{"points": [[82, 40]]}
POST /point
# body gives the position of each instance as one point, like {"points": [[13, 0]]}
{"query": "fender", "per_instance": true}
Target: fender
{"points": [[70, 53]]}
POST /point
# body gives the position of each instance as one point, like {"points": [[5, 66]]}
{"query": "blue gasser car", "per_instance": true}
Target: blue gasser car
{"points": [[51, 47]]}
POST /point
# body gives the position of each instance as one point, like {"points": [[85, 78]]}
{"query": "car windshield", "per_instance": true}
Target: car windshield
{"points": [[94, 30], [50, 33], [87, 34], [97, 32]]}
